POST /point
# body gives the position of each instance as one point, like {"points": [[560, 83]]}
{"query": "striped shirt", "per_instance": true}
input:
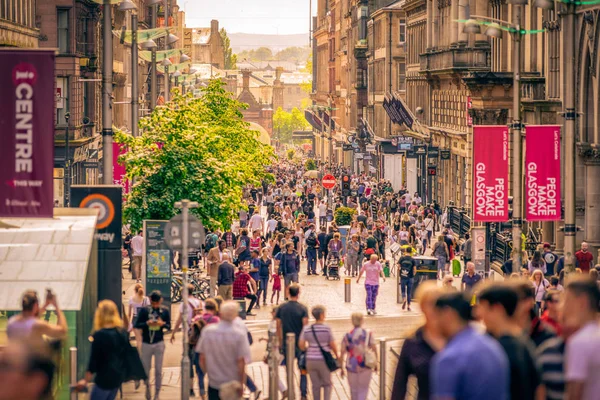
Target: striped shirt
{"points": [[323, 334], [550, 359]]}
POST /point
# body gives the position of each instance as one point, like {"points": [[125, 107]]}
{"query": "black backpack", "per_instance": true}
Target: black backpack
{"points": [[311, 240]]}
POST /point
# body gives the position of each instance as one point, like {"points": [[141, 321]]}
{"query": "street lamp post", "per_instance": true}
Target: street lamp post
{"points": [[494, 29], [107, 74], [67, 171], [135, 102], [153, 78]]}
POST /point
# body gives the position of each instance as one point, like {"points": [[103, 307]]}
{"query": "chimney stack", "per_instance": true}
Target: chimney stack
{"points": [[246, 79], [214, 26], [278, 72]]}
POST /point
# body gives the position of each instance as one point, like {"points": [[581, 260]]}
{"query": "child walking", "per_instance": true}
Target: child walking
{"points": [[276, 279]]}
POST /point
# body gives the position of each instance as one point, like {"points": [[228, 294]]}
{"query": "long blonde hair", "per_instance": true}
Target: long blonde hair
{"points": [[107, 316]]}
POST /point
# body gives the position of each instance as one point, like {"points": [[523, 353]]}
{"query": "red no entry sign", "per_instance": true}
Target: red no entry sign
{"points": [[328, 181]]}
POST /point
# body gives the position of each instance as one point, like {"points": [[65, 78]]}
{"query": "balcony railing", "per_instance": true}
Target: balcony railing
{"points": [[533, 86], [455, 59]]}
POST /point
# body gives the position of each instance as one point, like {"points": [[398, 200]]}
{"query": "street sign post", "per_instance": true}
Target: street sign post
{"points": [[174, 233], [328, 181]]}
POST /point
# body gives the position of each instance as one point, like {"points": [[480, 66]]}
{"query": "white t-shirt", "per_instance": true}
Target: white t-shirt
{"points": [[583, 360], [322, 210], [137, 245], [256, 221], [271, 225]]}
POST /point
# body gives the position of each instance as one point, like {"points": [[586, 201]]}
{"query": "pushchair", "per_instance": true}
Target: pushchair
{"points": [[333, 266]]}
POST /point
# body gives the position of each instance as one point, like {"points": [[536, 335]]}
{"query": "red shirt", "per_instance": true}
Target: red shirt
{"points": [[240, 285], [584, 260], [552, 322]]}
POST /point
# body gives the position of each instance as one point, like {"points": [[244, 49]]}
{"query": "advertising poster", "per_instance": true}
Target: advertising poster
{"points": [[542, 173], [158, 259], [27, 128], [490, 173]]}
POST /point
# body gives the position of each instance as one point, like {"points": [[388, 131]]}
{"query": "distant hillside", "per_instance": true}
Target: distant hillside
{"points": [[249, 41]]}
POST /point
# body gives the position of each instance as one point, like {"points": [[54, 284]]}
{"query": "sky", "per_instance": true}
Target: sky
{"points": [[280, 17]]}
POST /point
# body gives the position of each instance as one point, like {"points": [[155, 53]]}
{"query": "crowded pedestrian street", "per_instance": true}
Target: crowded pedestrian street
{"points": [[299, 200]]}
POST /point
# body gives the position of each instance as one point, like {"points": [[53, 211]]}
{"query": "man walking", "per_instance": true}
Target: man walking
{"points": [[225, 278], [137, 246], [470, 279], [471, 366], [291, 317], [153, 321], [581, 307], [407, 268], [312, 242], [584, 258], [215, 258], [223, 350]]}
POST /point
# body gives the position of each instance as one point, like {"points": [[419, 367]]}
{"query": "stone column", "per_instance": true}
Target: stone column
{"points": [[462, 15], [592, 203], [453, 26], [429, 23], [482, 9], [435, 34]]}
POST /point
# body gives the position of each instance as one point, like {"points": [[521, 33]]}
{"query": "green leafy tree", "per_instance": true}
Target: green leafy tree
{"points": [[285, 123], [310, 165], [307, 86], [260, 54], [293, 54], [230, 58], [193, 148]]}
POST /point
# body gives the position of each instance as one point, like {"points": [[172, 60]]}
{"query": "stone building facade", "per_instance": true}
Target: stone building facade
{"points": [[207, 45]]}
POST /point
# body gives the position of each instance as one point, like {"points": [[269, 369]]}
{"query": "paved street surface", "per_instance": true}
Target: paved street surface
{"points": [[391, 322]]}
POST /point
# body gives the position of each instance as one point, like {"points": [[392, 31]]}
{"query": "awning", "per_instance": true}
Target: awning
{"points": [[313, 120], [327, 119], [397, 110]]}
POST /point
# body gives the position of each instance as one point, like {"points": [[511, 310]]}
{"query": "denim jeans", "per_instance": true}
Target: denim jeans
{"points": [[103, 394], [263, 284], [406, 285], [311, 255], [199, 373]]}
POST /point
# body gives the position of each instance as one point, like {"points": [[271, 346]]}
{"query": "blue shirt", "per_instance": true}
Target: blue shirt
{"points": [[255, 264], [471, 367]]}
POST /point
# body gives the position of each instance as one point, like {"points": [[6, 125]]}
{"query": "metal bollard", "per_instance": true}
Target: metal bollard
{"points": [[273, 364], [382, 367], [398, 289], [73, 370], [289, 365], [347, 290]]}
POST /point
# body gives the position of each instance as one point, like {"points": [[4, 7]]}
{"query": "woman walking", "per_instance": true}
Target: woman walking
{"points": [[540, 285], [360, 354], [440, 251], [372, 270], [108, 345], [315, 340], [136, 303], [265, 271], [352, 251], [243, 248]]}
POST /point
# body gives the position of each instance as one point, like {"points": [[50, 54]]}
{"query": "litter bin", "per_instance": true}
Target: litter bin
{"points": [[426, 270]]}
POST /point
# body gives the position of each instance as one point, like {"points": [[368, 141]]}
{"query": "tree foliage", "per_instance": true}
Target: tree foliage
{"points": [[193, 148], [260, 54], [293, 54], [230, 58], [307, 86], [285, 123]]}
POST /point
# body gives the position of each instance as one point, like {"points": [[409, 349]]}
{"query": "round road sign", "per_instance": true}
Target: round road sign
{"points": [[328, 181]]}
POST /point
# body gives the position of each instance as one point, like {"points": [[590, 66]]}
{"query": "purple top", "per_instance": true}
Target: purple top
{"points": [[335, 246]]}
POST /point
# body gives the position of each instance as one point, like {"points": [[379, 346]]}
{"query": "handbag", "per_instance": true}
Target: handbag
{"points": [[133, 369], [370, 356], [331, 362]]}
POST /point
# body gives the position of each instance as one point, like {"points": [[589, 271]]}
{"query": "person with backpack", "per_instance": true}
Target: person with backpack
{"points": [[407, 268], [210, 242], [312, 242], [440, 251]]}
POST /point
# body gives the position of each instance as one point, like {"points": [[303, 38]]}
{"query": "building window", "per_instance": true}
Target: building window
{"points": [[63, 30], [401, 86], [62, 99], [402, 35]]}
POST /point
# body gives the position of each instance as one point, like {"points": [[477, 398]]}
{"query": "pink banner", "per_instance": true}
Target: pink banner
{"points": [[542, 173], [27, 130], [490, 173], [119, 169]]}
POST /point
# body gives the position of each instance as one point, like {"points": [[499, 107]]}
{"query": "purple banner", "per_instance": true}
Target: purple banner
{"points": [[27, 126]]}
